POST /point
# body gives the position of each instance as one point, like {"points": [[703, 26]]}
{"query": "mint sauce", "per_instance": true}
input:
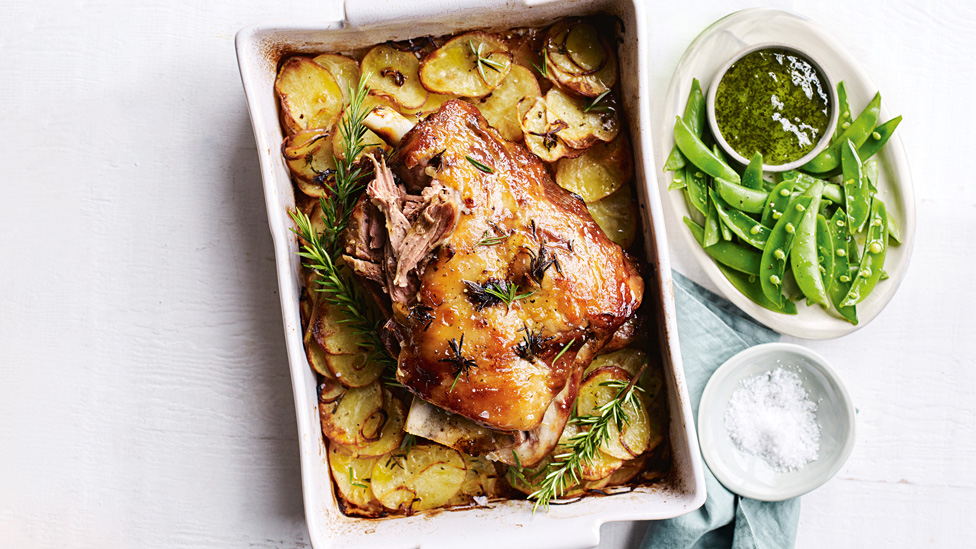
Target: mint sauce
{"points": [[775, 102]]}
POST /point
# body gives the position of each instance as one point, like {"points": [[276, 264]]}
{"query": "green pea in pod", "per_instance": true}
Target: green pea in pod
{"points": [[841, 281], [873, 257], [777, 249], [804, 260]]}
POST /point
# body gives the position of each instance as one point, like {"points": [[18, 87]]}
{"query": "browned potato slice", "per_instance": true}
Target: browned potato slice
{"points": [[583, 128], [317, 359], [617, 216], [308, 154], [396, 74], [428, 476], [351, 416], [454, 69], [309, 95], [500, 106], [541, 134], [345, 71], [355, 370], [633, 439], [624, 474], [579, 59], [336, 338], [601, 170], [390, 430], [351, 476]]}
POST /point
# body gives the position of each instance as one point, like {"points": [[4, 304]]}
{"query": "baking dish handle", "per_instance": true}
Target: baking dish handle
{"points": [[361, 13]]}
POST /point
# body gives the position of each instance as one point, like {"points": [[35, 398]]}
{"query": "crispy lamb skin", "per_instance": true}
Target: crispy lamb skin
{"points": [[583, 286]]}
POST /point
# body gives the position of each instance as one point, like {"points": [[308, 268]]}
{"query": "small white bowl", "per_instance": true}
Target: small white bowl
{"points": [[829, 84], [747, 475]]}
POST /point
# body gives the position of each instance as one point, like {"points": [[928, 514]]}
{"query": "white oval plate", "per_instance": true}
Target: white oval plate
{"points": [[746, 475], [701, 60]]}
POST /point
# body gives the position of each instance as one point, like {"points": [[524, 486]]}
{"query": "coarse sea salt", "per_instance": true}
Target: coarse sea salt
{"points": [[771, 417]]}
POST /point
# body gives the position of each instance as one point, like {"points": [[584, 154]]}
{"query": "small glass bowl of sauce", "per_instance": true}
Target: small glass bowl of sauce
{"points": [[776, 100]]}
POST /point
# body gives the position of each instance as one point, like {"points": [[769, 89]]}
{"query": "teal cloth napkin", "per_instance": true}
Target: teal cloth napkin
{"points": [[710, 331]]}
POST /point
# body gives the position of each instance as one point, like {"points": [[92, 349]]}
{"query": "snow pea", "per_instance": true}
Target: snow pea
{"points": [[804, 258], [858, 133], [840, 283], [677, 180], [741, 197], [697, 188], [878, 138], [779, 197], [778, 247], [738, 257], [894, 230], [748, 229], [844, 110], [711, 226], [698, 154], [825, 252], [870, 169], [872, 260], [833, 193], [752, 178], [750, 288], [857, 194], [695, 118]]}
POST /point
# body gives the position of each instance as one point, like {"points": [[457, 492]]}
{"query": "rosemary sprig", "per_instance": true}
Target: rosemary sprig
{"points": [[354, 481], [492, 240], [582, 447], [595, 104], [504, 291], [321, 251], [462, 364], [481, 61], [531, 343], [543, 70], [483, 167], [515, 472]]}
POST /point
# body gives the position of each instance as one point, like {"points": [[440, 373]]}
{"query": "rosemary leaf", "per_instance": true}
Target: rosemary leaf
{"points": [[595, 104], [480, 166]]}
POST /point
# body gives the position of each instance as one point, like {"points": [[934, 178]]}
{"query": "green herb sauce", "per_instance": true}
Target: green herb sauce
{"points": [[773, 101]]}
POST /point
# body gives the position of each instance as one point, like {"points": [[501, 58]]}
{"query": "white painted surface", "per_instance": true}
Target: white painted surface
{"points": [[144, 397]]}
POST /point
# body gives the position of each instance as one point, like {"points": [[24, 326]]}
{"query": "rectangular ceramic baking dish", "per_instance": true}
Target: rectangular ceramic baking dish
{"points": [[504, 524]]}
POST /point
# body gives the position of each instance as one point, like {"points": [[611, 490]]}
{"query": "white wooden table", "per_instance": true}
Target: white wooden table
{"points": [[144, 394]]}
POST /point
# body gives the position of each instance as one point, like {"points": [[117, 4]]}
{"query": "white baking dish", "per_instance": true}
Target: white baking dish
{"points": [[505, 524]]}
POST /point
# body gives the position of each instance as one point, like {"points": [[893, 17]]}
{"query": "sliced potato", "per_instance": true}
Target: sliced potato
{"points": [[309, 157], [630, 469], [351, 476], [617, 216], [335, 337], [601, 170], [630, 441], [433, 104], [629, 360], [355, 370], [500, 107], [428, 476], [583, 128], [481, 480], [308, 93], [453, 68], [351, 416], [579, 59], [345, 70], [317, 359], [391, 431], [396, 74], [541, 135]]}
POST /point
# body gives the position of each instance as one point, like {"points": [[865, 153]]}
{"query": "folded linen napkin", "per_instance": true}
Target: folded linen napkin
{"points": [[710, 331]]}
